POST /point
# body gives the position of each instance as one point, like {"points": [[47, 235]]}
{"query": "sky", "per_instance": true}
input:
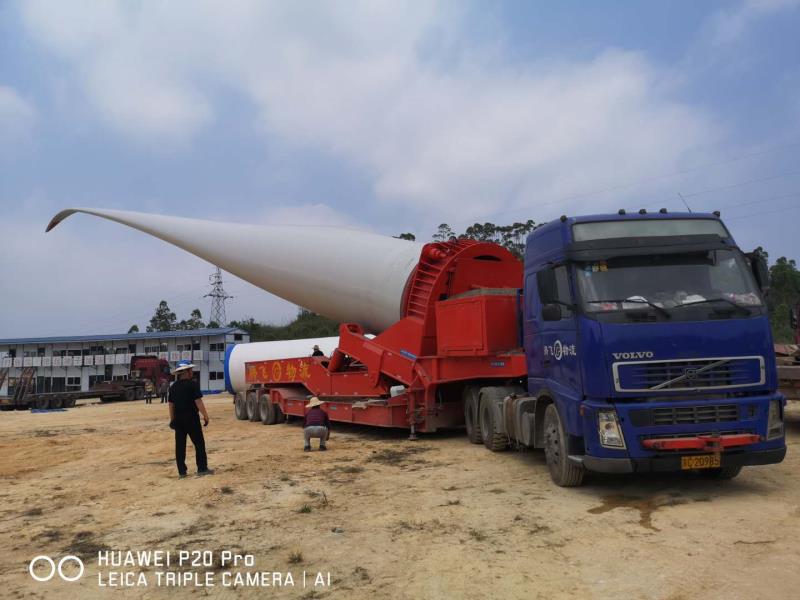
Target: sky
{"points": [[386, 117]]}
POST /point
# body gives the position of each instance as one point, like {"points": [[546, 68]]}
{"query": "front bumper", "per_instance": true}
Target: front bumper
{"points": [[672, 462]]}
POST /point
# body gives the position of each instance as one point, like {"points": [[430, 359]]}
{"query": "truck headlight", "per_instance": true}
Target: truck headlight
{"points": [[609, 429], [775, 420]]}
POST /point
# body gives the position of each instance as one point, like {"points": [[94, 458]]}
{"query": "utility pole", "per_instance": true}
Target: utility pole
{"points": [[218, 297]]}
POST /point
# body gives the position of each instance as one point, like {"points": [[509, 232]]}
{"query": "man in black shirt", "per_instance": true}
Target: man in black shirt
{"points": [[317, 351], [185, 407]]}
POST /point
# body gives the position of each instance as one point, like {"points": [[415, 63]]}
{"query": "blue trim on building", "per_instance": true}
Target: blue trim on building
{"points": [[122, 336]]}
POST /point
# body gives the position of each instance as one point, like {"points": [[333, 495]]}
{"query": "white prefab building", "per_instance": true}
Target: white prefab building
{"points": [[75, 363]]}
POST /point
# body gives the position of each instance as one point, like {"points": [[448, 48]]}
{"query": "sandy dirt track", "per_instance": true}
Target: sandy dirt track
{"points": [[388, 518]]}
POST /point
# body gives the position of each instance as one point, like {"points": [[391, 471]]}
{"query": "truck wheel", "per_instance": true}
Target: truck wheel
{"points": [[722, 472], [41, 404], [471, 415], [563, 472], [239, 407], [56, 402], [280, 417], [129, 394], [266, 409], [492, 439], [70, 403]]}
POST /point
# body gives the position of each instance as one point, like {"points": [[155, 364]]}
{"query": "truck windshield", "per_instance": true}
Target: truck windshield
{"points": [[718, 279]]}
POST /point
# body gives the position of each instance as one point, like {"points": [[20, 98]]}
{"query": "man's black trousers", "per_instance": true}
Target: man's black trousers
{"points": [[194, 430]]}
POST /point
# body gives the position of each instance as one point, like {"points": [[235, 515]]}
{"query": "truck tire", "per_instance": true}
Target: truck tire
{"points": [[722, 473], [41, 404], [56, 402], [129, 394], [493, 439], [266, 409], [252, 408], [280, 417], [239, 407], [472, 415], [562, 471], [69, 403]]}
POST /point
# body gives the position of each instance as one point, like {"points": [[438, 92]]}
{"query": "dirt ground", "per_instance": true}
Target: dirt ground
{"points": [[387, 518]]}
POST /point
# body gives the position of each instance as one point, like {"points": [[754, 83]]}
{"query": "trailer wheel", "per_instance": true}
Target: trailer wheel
{"points": [[280, 417], [722, 473], [563, 472], [266, 409], [129, 394], [69, 403], [41, 404], [472, 415], [239, 407], [56, 402], [252, 407], [492, 438]]}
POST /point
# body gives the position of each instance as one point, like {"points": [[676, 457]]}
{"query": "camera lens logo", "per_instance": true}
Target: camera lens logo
{"points": [[53, 569]]}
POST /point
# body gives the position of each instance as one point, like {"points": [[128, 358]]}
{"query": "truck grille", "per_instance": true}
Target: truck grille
{"points": [[684, 415], [688, 374]]}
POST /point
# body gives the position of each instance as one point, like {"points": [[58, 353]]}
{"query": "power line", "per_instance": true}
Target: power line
{"points": [[655, 178]]}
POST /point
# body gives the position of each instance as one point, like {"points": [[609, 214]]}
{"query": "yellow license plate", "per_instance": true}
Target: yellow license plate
{"points": [[701, 461]]}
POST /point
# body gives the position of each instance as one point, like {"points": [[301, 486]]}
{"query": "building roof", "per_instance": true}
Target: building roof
{"points": [[122, 336]]}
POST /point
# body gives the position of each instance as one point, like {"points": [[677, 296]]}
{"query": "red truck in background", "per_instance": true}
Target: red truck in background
{"points": [[143, 368]]}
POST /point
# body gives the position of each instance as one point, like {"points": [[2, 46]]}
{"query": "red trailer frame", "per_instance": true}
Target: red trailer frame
{"points": [[460, 325]]}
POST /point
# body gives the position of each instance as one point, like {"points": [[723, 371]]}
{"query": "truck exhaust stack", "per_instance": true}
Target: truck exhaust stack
{"points": [[347, 275]]}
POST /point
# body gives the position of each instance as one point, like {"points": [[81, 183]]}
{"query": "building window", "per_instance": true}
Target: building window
{"points": [[237, 337], [59, 352], [40, 351], [218, 347], [73, 353], [120, 350], [73, 382], [196, 345], [216, 375]]}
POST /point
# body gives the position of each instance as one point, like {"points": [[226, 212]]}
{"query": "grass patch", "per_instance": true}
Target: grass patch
{"points": [[295, 557], [226, 489], [477, 535], [304, 509], [391, 456]]}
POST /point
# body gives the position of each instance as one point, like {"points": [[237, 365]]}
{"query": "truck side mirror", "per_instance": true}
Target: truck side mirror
{"points": [[551, 312], [758, 264]]}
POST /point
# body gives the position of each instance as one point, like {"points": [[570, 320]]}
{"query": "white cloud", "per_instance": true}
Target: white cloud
{"points": [[469, 130], [16, 117], [729, 25]]}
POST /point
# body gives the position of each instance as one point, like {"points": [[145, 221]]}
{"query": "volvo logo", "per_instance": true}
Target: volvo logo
{"points": [[690, 374], [632, 355]]}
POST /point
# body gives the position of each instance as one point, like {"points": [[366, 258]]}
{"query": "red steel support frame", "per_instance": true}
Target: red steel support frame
{"points": [[474, 287]]}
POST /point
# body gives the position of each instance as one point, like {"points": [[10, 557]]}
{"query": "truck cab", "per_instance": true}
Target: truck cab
{"points": [[649, 335]]}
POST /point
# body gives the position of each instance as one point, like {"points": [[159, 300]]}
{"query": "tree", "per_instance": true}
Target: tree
{"points": [[163, 318], [783, 296], [195, 321], [443, 233], [213, 325], [406, 236], [134, 329], [306, 325]]}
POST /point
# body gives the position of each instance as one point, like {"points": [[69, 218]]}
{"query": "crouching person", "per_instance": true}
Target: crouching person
{"points": [[316, 424]]}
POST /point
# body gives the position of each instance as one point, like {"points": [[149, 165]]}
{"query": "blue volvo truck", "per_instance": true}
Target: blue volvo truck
{"points": [[648, 347]]}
